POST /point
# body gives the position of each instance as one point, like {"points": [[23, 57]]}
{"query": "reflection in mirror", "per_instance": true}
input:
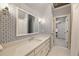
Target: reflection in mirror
{"points": [[31, 21], [26, 23]]}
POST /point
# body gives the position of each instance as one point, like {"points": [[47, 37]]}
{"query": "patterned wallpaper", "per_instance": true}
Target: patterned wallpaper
{"points": [[8, 27]]}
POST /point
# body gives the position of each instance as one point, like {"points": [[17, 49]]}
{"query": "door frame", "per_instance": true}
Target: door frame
{"points": [[69, 32]]}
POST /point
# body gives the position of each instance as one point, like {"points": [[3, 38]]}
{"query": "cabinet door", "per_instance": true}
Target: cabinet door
{"points": [[43, 49], [38, 49], [31, 54], [39, 53]]}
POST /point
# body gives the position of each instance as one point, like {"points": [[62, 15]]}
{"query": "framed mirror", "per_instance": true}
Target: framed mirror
{"points": [[25, 23]]}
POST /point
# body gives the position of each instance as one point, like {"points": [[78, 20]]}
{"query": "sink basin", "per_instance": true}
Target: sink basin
{"points": [[34, 40], [27, 42]]}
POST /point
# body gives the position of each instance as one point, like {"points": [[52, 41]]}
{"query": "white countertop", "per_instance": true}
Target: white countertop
{"points": [[22, 47]]}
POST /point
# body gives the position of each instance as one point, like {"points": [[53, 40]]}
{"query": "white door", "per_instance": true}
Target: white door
{"points": [[61, 27], [61, 30]]}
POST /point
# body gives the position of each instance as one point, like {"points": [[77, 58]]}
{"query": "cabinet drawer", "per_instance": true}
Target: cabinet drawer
{"points": [[39, 53], [42, 50], [31, 54], [39, 48]]}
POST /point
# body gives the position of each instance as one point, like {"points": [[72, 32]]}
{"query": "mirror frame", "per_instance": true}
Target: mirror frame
{"points": [[17, 8]]}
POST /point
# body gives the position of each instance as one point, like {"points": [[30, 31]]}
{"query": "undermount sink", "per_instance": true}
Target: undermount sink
{"points": [[34, 40]]}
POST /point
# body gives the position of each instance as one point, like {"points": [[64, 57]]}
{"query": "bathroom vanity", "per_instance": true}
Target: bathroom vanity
{"points": [[26, 25], [36, 46]]}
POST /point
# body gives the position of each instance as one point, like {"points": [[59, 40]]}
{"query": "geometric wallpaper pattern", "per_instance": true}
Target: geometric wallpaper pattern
{"points": [[7, 24], [8, 27]]}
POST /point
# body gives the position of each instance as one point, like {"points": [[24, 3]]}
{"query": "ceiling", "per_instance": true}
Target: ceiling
{"points": [[41, 7], [59, 4], [36, 7]]}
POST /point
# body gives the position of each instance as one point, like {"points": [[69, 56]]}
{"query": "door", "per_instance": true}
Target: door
{"points": [[61, 27], [62, 30]]}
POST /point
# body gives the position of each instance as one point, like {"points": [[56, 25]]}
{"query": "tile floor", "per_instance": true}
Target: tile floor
{"points": [[59, 49], [60, 42]]}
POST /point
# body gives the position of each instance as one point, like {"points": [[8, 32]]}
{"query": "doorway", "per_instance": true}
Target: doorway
{"points": [[62, 30]]}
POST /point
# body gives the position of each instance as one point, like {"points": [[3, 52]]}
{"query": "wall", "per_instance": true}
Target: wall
{"points": [[48, 25], [75, 30], [9, 29]]}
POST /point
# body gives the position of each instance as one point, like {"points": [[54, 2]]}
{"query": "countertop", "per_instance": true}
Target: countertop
{"points": [[22, 47]]}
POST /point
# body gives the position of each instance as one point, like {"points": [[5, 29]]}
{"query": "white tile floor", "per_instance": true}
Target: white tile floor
{"points": [[59, 49], [60, 42]]}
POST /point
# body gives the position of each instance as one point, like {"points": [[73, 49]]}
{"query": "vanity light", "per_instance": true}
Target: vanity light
{"points": [[39, 20], [42, 21], [3, 5], [4, 8]]}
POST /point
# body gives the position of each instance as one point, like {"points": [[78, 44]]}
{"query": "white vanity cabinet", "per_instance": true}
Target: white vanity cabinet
{"points": [[31, 54], [42, 49]]}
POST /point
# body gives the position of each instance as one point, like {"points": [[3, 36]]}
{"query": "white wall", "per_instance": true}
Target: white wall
{"points": [[75, 30], [49, 20]]}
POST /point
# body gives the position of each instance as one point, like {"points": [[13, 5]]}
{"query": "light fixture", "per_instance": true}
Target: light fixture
{"points": [[39, 20], [4, 8], [3, 5]]}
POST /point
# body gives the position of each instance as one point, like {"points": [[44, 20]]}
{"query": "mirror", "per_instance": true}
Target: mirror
{"points": [[26, 23]]}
